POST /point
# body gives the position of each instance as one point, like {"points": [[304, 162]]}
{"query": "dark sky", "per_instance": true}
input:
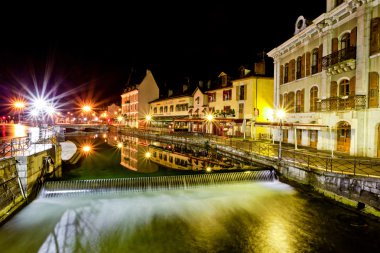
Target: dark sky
{"points": [[91, 49]]}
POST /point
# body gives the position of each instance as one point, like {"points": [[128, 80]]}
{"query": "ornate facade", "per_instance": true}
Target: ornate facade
{"points": [[327, 79]]}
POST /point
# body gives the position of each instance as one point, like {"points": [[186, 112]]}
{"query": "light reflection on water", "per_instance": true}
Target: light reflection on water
{"points": [[254, 217]]}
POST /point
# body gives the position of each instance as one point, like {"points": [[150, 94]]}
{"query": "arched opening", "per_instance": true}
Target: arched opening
{"points": [[343, 136]]}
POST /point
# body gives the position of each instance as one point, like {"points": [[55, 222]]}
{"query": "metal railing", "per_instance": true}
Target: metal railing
{"points": [[308, 158], [356, 102], [338, 56]]}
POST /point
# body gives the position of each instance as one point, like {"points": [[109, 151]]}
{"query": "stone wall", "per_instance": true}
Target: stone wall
{"points": [[10, 192], [360, 189]]}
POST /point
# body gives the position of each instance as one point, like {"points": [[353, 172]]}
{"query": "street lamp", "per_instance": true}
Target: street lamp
{"points": [[148, 119], [209, 118], [280, 114], [86, 109], [19, 105]]}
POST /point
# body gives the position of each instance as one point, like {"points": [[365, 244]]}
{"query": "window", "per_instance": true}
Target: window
{"points": [[344, 88], [197, 100], [313, 99], [227, 95], [241, 92], [345, 41], [373, 90], [155, 110], [165, 109], [375, 36], [212, 97], [299, 100], [227, 109], [290, 102], [171, 108], [161, 109], [299, 64], [286, 72], [314, 61]]}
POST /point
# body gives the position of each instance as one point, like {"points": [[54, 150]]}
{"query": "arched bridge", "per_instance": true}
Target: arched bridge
{"points": [[82, 127]]}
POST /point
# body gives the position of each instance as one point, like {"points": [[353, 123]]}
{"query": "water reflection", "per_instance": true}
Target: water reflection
{"points": [[12, 131]]}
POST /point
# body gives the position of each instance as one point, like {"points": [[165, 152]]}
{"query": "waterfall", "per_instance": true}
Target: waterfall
{"points": [[71, 188]]}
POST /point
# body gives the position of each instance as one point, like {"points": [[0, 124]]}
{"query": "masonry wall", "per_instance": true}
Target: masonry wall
{"points": [[360, 189]]}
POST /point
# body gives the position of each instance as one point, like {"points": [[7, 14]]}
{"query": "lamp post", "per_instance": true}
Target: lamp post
{"points": [[19, 105], [209, 119], [86, 109], [148, 119], [280, 115]]}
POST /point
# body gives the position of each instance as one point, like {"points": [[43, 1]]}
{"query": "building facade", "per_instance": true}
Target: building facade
{"points": [[135, 101], [326, 77]]}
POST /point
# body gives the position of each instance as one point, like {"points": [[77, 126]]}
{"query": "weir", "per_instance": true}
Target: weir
{"points": [[73, 188]]}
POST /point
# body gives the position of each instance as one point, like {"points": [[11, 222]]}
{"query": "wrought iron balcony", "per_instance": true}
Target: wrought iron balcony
{"points": [[355, 102], [331, 61]]}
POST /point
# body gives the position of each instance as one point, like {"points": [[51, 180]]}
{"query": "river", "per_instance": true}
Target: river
{"points": [[236, 217]]}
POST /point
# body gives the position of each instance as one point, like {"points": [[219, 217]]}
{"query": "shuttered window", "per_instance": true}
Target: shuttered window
{"points": [[333, 89], [375, 36], [344, 88], [313, 99], [353, 37], [352, 86], [303, 58], [308, 64], [320, 52], [300, 101], [290, 102], [292, 69], [281, 74], [373, 90]]}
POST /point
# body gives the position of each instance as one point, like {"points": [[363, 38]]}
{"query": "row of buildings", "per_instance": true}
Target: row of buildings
{"points": [[326, 77]]}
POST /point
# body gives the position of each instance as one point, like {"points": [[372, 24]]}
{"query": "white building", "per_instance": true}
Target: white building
{"points": [[327, 78]]}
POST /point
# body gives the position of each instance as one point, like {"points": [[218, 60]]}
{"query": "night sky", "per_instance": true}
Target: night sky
{"points": [[93, 51]]}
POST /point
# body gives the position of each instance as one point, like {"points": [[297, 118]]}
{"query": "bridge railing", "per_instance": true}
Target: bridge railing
{"points": [[306, 159]]}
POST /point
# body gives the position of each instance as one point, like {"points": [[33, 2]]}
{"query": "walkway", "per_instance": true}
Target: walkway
{"points": [[264, 150]]}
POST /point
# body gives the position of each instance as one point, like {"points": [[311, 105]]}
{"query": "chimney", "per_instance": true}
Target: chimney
{"points": [[184, 88], [200, 83], [260, 68], [170, 92]]}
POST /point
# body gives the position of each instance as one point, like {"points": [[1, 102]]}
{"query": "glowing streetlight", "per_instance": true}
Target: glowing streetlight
{"points": [[148, 119], [210, 119], [19, 105]]}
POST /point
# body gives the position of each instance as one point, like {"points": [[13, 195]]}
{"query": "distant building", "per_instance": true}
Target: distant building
{"points": [[135, 101], [113, 111], [327, 79]]}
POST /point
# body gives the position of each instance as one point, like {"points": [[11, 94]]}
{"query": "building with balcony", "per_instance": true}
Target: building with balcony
{"points": [[326, 77], [135, 101]]}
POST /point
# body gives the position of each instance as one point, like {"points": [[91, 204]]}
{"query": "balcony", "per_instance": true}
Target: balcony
{"points": [[341, 61], [345, 103]]}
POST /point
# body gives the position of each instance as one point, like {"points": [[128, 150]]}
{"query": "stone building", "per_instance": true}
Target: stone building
{"points": [[326, 77]]}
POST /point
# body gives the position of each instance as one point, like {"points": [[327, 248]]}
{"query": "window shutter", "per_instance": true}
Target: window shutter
{"points": [[292, 70], [302, 100], [308, 64], [334, 45], [320, 53], [373, 90], [303, 66], [374, 36], [237, 92], [352, 86], [245, 92], [281, 74], [353, 37], [333, 89], [281, 100]]}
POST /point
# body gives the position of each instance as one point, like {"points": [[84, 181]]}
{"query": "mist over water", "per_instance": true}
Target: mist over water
{"points": [[241, 217]]}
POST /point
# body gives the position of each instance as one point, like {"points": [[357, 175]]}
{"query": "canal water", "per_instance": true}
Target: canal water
{"points": [[237, 217]]}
